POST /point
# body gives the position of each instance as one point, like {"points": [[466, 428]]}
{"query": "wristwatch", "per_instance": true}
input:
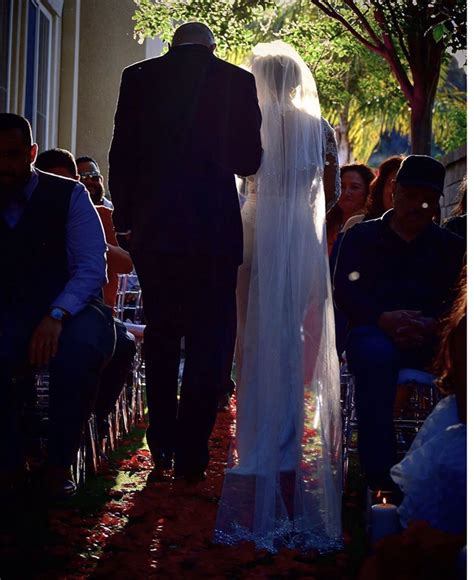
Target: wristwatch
{"points": [[58, 314]]}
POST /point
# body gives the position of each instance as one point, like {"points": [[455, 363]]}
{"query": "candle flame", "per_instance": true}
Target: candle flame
{"points": [[384, 501]]}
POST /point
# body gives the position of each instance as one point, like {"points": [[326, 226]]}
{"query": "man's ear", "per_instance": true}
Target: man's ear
{"points": [[212, 48], [33, 152]]}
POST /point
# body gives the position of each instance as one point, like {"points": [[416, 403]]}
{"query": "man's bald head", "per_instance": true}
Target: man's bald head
{"points": [[194, 33]]}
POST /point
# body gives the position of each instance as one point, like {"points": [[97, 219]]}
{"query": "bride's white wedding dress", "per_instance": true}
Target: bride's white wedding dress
{"points": [[283, 484]]}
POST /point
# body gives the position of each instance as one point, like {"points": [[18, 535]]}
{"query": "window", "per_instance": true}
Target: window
{"points": [[38, 72], [44, 80], [5, 11]]}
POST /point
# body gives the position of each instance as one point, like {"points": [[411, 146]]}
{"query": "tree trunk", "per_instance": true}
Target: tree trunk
{"points": [[425, 67], [342, 133], [421, 125]]}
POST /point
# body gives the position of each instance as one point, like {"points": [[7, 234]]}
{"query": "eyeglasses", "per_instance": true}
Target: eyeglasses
{"points": [[92, 175]]}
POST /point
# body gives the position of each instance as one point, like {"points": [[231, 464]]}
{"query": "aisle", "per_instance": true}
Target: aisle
{"points": [[121, 525]]}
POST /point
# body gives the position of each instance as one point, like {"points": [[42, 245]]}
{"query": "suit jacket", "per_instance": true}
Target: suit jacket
{"points": [[185, 123]]}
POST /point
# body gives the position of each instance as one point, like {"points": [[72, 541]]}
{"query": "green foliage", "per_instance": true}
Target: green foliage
{"points": [[450, 118], [445, 20], [237, 24]]}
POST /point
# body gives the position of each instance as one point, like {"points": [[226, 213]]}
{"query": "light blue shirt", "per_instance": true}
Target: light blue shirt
{"points": [[85, 245]]}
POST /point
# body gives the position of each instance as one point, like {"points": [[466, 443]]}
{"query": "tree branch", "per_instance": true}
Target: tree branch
{"points": [[332, 13], [391, 56], [399, 31], [365, 23], [385, 49]]}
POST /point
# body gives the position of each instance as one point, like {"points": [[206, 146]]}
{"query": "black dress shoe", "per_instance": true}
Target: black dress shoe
{"points": [[224, 402], [192, 477], [58, 483], [163, 460]]}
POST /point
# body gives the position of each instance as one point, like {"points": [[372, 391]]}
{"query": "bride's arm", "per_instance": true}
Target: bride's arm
{"points": [[331, 177]]}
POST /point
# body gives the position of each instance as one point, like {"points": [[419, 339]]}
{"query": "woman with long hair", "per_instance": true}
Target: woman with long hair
{"points": [[355, 182], [381, 189]]}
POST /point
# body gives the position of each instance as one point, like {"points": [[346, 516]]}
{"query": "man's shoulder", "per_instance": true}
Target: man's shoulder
{"points": [[152, 64], [366, 229], [58, 182], [230, 68], [142, 65], [446, 237]]}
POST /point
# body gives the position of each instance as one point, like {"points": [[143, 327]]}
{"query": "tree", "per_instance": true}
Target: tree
{"points": [[413, 37]]}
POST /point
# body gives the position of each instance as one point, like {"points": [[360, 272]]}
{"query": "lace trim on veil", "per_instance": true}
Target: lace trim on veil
{"points": [[286, 534]]}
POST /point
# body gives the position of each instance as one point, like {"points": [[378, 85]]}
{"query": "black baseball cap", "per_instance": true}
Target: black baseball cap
{"points": [[423, 171]]}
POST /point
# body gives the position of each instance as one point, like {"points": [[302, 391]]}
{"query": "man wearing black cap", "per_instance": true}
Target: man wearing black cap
{"points": [[393, 280]]}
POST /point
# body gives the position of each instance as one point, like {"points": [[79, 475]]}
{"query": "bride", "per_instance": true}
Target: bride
{"points": [[283, 484]]}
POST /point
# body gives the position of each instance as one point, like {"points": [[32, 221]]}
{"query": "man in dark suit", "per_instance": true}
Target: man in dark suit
{"points": [[185, 123]]}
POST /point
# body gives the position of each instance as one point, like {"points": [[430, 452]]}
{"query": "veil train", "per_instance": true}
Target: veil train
{"points": [[283, 483]]}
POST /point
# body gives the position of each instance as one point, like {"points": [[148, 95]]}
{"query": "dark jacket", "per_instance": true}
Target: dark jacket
{"points": [[185, 123], [376, 271]]}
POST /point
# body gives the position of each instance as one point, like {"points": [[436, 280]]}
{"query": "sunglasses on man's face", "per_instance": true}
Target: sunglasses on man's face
{"points": [[92, 175]]}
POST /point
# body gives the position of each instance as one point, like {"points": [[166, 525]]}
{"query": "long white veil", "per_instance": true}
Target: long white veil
{"points": [[283, 484]]}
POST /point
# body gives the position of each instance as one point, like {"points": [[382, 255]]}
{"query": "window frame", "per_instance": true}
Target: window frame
{"points": [[52, 14], [9, 54]]}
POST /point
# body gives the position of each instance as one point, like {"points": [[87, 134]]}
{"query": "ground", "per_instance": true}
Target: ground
{"points": [[123, 525]]}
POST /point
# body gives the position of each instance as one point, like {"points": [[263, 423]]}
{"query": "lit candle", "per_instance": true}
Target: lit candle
{"points": [[384, 520]]}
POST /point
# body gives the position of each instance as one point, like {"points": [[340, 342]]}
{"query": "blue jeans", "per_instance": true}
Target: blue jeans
{"points": [[375, 362], [86, 343]]}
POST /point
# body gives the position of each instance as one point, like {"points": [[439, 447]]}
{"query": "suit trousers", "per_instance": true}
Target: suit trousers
{"points": [[194, 297]]}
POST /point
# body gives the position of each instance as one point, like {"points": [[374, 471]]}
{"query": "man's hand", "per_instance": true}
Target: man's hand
{"points": [[44, 342], [124, 239], [407, 328], [392, 322]]}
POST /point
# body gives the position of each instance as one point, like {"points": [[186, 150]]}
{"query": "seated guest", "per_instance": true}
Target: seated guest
{"points": [[114, 376], [51, 313], [119, 261], [91, 177], [61, 162], [393, 280], [433, 474], [457, 222], [379, 200], [355, 182]]}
